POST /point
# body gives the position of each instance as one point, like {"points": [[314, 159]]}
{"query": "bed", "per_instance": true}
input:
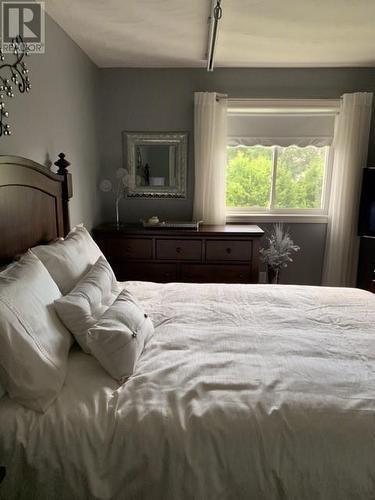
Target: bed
{"points": [[245, 391]]}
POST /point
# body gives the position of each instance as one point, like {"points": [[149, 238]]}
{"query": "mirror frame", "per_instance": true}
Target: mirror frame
{"points": [[178, 139]]}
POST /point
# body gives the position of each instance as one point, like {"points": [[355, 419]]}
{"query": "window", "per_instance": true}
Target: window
{"points": [[266, 178], [279, 157]]}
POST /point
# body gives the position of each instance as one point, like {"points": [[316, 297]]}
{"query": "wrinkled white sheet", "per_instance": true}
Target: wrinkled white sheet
{"points": [[244, 392]]}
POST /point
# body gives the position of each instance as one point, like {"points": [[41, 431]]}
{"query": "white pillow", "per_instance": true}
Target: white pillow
{"points": [[119, 337], [68, 260], [34, 343], [89, 299]]}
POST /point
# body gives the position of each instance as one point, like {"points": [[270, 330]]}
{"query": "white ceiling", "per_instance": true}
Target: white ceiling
{"points": [[253, 33]]}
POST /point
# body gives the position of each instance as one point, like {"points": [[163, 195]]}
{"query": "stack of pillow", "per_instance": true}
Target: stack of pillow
{"points": [[56, 291]]}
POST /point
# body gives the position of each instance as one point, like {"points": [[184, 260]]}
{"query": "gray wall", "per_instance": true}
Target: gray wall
{"points": [[162, 100], [80, 110], [60, 114]]}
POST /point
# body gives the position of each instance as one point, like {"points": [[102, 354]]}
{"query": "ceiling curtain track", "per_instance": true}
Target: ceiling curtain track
{"points": [[215, 17]]}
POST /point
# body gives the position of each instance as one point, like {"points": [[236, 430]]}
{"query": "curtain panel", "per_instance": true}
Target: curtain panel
{"points": [[210, 149], [350, 145]]}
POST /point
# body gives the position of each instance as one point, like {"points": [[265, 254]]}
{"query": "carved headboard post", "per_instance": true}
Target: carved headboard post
{"points": [[33, 204], [63, 165]]}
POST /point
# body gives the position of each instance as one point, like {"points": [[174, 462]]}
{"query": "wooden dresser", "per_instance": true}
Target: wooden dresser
{"points": [[212, 254]]}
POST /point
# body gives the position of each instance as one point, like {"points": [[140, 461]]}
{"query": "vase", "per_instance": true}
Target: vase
{"points": [[117, 212], [273, 275]]}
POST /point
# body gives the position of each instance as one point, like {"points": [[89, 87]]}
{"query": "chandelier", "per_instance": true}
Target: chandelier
{"points": [[12, 73]]}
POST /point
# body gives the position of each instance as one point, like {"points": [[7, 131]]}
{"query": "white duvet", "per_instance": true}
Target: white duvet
{"points": [[244, 392]]}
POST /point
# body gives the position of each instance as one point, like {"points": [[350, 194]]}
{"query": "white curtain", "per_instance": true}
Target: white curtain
{"points": [[210, 148], [350, 155]]}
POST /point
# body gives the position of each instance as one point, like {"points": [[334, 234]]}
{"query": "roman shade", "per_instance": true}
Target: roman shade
{"points": [[300, 123]]}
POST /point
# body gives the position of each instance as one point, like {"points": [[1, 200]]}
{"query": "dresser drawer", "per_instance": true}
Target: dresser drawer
{"points": [[148, 271], [129, 248], [178, 249], [229, 250], [210, 273]]}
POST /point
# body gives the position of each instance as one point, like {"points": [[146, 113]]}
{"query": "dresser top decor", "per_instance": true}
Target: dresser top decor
{"points": [[203, 229]]}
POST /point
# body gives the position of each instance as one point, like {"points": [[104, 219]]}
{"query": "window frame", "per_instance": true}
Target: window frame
{"points": [[314, 215], [318, 215]]}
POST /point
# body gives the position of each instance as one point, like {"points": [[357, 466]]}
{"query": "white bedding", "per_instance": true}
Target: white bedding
{"points": [[244, 392]]}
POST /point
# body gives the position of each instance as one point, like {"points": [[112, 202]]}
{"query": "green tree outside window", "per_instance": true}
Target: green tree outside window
{"points": [[296, 173]]}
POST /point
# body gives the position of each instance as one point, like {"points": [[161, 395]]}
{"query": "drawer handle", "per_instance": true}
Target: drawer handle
{"points": [[178, 249], [128, 249], [228, 250]]}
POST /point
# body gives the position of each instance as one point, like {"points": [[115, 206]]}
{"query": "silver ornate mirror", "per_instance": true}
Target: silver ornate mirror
{"points": [[157, 164]]}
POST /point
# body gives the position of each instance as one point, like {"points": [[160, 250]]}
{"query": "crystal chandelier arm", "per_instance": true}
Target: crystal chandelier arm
{"points": [[18, 73]]}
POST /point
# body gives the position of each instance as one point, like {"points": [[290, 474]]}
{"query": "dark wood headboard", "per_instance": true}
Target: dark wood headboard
{"points": [[34, 204]]}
